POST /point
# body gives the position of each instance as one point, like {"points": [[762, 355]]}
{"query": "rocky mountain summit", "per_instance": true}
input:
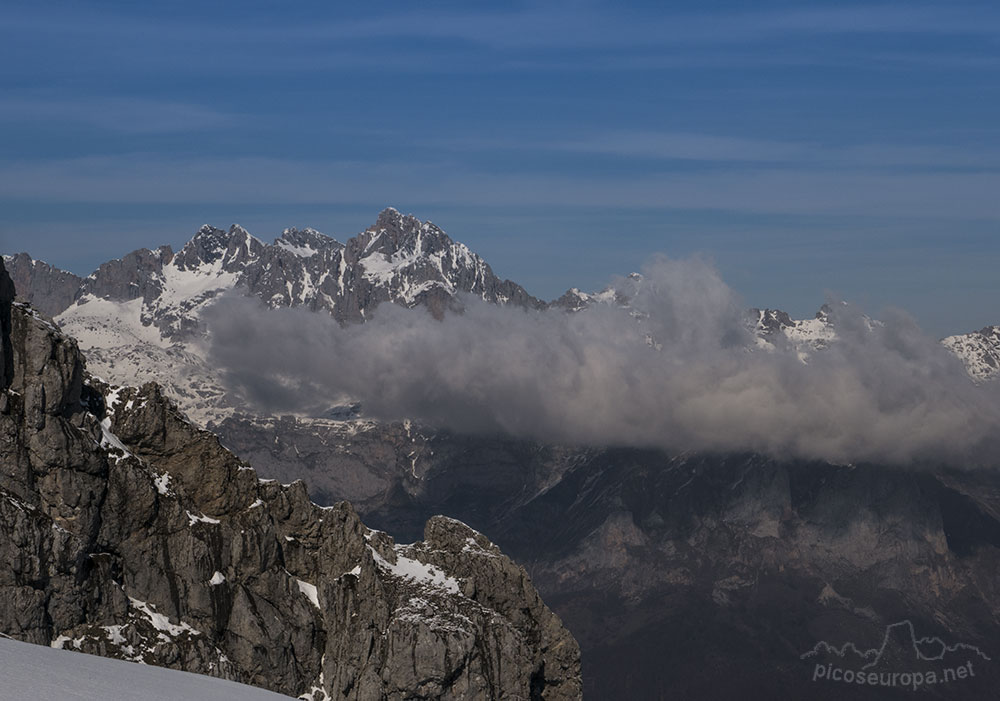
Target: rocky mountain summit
{"points": [[980, 350], [129, 533], [47, 288]]}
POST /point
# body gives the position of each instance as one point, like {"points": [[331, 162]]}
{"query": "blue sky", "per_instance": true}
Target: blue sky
{"points": [[805, 147]]}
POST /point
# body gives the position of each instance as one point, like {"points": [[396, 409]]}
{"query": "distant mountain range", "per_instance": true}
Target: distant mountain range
{"points": [[139, 316], [400, 259]]}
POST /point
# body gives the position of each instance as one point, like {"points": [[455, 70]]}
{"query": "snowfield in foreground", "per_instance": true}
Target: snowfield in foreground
{"points": [[36, 672]]}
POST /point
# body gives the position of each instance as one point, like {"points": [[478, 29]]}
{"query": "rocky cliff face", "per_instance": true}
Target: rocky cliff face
{"points": [[127, 532], [669, 569], [46, 288], [708, 576]]}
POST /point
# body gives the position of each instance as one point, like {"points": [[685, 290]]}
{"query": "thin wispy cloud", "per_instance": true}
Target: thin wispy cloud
{"points": [[759, 189], [544, 25], [713, 148], [547, 38], [681, 146], [124, 114]]}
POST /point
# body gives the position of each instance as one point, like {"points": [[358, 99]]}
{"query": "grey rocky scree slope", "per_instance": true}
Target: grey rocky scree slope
{"points": [[129, 533]]}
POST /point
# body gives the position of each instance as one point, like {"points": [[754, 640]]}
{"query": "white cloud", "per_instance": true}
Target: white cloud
{"points": [[890, 394]]}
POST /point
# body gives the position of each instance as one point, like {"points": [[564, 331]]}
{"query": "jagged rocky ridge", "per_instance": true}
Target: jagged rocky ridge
{"points": [[47, 288], [129, 533], [400, 259]]}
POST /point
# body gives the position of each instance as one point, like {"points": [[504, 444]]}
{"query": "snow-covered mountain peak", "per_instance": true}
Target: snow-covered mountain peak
{"points": [[306, 243], [771, 321], [980, 351], [419, 264], [392, 220], [392, 232], [575, 300], [235, 248]]}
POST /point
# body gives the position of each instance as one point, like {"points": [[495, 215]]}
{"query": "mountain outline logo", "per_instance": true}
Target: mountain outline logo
{"points": [[875, 654], [901, 660]]}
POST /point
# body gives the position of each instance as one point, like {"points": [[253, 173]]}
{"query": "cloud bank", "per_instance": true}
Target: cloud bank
{"points": [[677, 370]]}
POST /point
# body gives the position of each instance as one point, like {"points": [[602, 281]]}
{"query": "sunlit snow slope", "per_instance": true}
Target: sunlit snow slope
{"points": [[34, 672]]}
